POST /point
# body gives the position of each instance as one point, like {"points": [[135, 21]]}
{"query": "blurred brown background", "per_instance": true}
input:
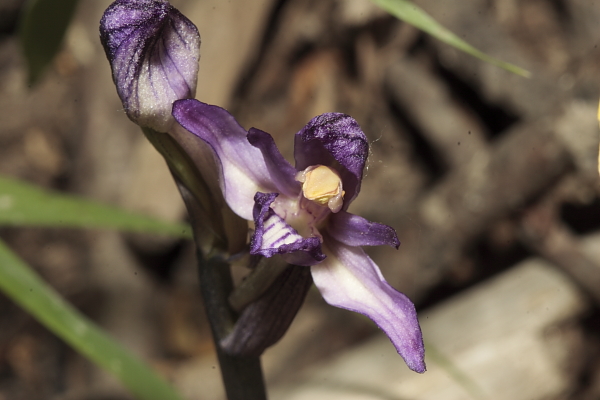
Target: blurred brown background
{"points": [[490, 180]]}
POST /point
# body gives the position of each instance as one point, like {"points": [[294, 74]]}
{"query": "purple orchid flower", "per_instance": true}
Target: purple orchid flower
{"points": [[301, 213]]}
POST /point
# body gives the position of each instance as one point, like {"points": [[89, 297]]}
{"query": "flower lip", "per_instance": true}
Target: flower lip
{"points": [[153, 51], [273, 235]]}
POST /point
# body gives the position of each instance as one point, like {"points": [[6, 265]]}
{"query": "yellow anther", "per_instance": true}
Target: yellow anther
{"points": [[322, 185]]}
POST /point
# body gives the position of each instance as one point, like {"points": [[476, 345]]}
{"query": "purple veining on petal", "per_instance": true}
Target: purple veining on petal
{"points": [[349, 279], [273, 235], [243, 168], [331, 138], [153, 51], [354, 230]]}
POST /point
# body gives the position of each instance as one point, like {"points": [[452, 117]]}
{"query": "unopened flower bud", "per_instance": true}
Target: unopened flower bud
{"points": [[153, 51]]}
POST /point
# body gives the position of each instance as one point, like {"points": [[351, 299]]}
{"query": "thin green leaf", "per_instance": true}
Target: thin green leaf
{"points": [[20, 283], [42, 27], [25, 204], [413, 15]]}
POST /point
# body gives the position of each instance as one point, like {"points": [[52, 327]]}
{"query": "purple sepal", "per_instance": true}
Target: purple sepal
{"points": [[353, 230], [273, 235], [349, 279], [331, 138], [243, 169], [264, 321], [282, 172], [153, 51]]}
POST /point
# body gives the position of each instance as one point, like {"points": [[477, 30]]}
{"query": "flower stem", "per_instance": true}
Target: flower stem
{"points": [[242, 376]]}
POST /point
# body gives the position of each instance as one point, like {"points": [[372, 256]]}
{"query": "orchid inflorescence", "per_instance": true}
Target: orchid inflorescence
{"points": [[299, 212]]}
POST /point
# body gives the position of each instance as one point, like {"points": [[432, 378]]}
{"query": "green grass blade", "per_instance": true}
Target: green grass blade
{"points": [[42, 27], [413, 15], [24, 204], [20, 283]]}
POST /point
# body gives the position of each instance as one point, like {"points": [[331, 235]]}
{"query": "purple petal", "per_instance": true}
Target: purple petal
{"points": [[282, 172], [353, 230], [349, 279], [153, 51], [243, 168], [273, 235], [331, 138]]}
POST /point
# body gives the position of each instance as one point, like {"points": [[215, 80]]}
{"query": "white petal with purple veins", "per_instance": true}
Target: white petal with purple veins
{"points": [[273, 235]]}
